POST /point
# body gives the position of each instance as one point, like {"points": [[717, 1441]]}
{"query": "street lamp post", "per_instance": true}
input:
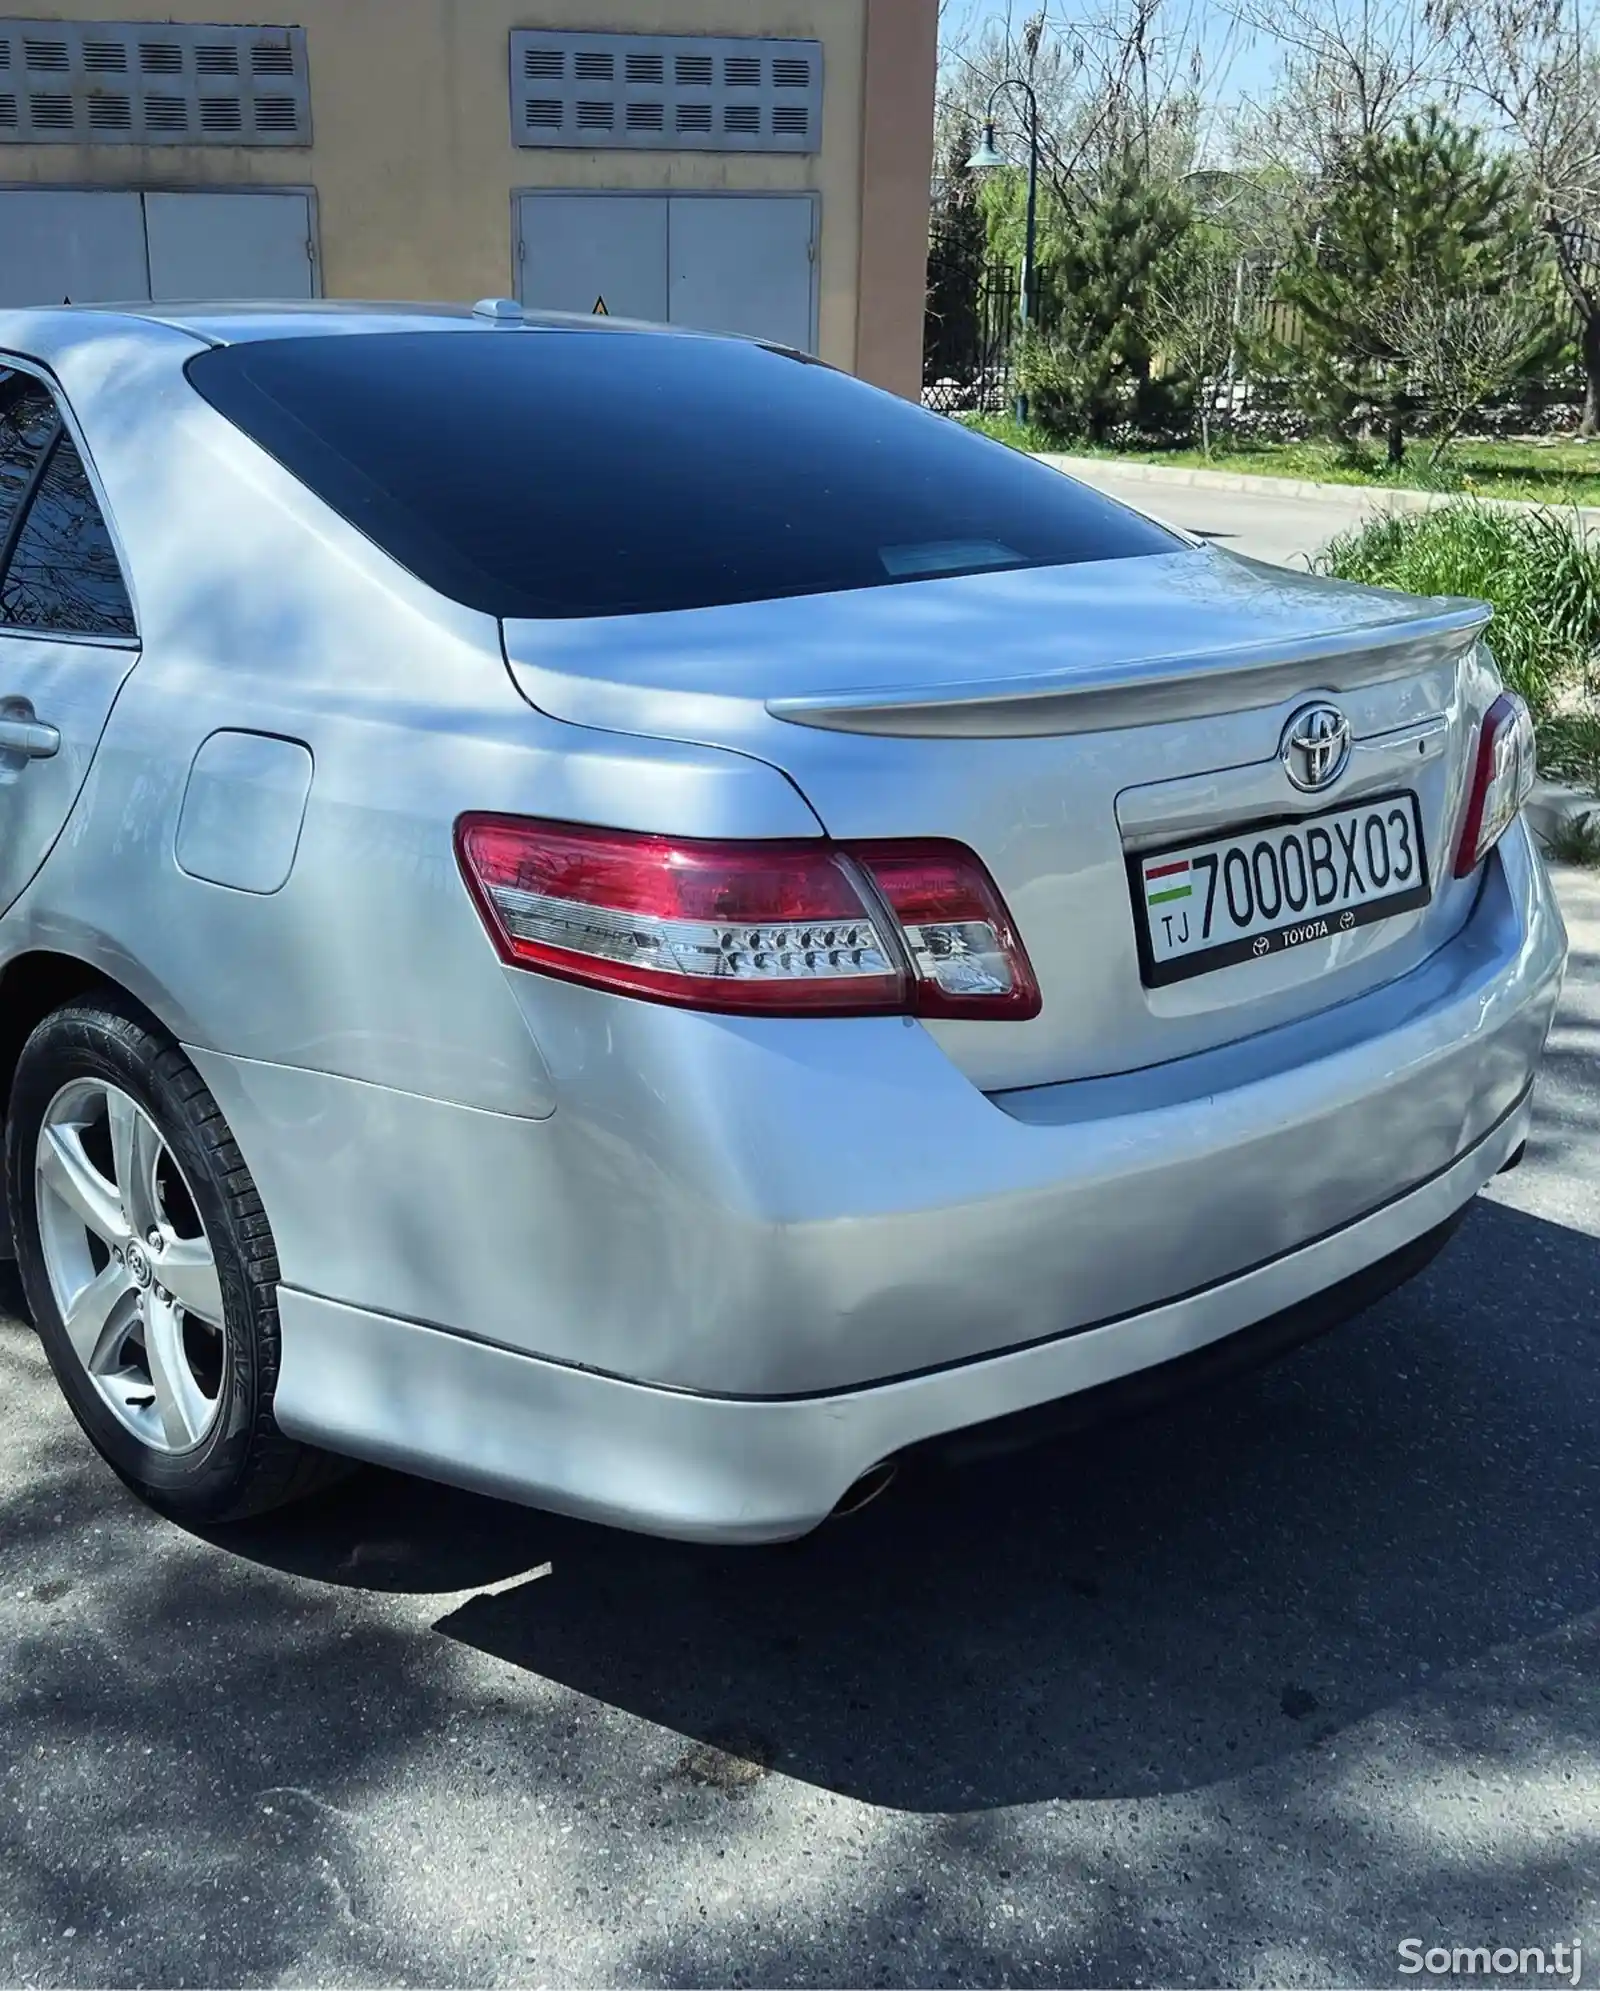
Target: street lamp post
{"points": [[989, 155]]}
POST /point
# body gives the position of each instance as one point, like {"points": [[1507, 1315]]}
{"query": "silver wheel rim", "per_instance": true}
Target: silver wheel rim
{"points": [[131, 1269]]}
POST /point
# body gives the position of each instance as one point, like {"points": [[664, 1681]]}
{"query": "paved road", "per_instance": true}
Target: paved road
{"points": [[1247, 1696], [1269, 526]]}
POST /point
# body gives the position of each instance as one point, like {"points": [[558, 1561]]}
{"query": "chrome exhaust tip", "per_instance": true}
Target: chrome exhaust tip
{"points": [[875, 1480]]}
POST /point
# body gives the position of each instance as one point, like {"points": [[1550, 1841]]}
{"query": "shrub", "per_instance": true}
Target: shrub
{"points": [[1540, 574], [1060, 385], [1576, 840], [1569, 748]]}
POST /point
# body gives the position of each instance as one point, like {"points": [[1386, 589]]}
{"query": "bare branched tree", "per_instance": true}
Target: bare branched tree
{"points": [[1462, 350], [1531, 65], [1194, 312], [1347, 70], [1122, 81]]}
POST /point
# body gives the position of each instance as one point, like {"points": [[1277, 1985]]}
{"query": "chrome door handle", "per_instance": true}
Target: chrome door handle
{"points": [[29, 736]]}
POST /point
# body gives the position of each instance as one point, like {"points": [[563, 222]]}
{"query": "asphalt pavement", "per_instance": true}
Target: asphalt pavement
{"points": [[1251, 1692], [1284, 527]]}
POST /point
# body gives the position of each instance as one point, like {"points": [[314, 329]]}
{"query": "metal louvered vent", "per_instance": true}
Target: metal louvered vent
{"points": [[700, 93], [168, 114], [152, 83]]}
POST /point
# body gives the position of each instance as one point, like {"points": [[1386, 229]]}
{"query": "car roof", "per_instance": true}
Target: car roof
{"points": [[45, 327]]}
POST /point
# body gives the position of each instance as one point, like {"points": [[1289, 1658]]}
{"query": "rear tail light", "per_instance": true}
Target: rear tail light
{"points": [[966, 959], [758, 928], [1502, 779]]}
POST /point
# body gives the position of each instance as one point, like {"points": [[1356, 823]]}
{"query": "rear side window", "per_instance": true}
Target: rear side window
{"points": [[58, 567], [591, 473], [28, 426]]}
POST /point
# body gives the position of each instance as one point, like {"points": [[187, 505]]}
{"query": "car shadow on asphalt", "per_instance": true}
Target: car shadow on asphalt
{"points": [[1148, 1609]]}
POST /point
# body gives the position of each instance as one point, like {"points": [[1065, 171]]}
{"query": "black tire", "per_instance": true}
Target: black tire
{"points": [[244, 1465]]}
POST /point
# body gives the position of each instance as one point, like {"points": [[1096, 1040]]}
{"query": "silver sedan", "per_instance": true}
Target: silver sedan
{"points": [[618, 918]]}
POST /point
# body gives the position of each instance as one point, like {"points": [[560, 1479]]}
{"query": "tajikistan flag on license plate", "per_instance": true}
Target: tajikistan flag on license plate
{"points": [[1167, 881]]}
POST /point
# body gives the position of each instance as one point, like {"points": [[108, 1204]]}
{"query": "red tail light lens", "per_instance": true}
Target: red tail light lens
{"points": [[953, 923], [1502, 779], [763, 928]]}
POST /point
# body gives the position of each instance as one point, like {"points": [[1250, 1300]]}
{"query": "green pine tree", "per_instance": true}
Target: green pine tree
{"points": [[1092, 368], [1425, 213]]}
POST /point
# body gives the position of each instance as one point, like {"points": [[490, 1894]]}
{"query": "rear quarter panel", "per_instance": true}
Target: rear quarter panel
{"points": [[261, 612]]}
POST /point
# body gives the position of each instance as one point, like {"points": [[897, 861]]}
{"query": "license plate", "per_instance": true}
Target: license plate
{"points": [[1269, 887]]}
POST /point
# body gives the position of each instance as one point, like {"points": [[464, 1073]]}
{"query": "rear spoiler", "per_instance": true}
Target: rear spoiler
{"points": [[1154, 690]]}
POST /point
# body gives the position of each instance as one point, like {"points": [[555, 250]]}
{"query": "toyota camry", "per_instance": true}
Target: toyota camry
{"points": [[616, 917]]}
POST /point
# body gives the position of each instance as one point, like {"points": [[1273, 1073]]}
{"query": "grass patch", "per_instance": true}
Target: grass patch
{"points": [[1027, 435], [1542, 578], [1558, 472]]}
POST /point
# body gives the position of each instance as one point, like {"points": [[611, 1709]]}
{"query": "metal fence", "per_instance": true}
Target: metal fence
{"points": [[967, 346], [971, 330], [973, 322]]}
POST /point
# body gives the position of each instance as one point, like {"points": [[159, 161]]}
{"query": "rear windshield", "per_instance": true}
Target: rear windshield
{"points": [[576, 473]]}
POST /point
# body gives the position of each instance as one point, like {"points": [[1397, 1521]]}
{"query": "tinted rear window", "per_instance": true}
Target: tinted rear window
{"points": [[560, 474]]}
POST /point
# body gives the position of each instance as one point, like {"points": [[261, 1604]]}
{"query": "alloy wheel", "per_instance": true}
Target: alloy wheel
{"points": [[131, 1269]]}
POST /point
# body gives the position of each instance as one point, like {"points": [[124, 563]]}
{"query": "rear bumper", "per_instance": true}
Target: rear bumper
{"points": [[763, 1208], [712, 1468]]}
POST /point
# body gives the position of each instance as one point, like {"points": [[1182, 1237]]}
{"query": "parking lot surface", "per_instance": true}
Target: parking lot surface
{"points": [[1249, 1692]]}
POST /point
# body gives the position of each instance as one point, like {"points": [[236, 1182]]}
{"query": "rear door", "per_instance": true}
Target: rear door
{"points": [[67, 635]]}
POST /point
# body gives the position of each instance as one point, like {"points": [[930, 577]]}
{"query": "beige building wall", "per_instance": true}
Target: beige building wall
{"points": [[414, 166], [899, 78]]}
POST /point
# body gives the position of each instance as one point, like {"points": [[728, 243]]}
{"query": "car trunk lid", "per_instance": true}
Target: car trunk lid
{"points": [[1060, 721]]}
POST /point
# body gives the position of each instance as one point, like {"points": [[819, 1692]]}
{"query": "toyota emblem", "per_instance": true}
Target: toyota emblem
{"points": [[1316, 747]]}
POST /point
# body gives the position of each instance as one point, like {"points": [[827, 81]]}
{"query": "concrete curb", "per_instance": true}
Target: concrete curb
{"points": [[1552, 803], [1382, 497]]}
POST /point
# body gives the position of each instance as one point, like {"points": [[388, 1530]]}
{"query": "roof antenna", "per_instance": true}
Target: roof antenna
{"points": [[499, 310]]}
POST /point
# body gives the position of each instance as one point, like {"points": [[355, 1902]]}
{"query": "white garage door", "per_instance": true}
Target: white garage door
{"points": [[229, 245], [59, 246], [743, 266], [579, 251], [718, 263]]}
